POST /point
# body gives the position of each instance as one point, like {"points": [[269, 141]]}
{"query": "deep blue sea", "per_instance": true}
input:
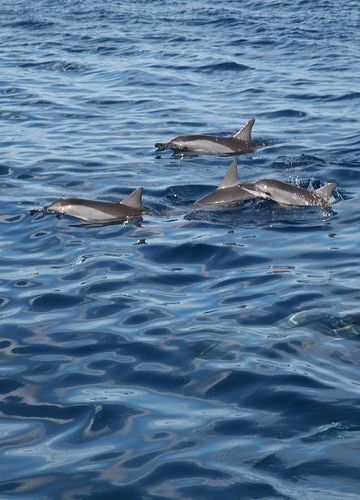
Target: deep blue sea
{"points": [[197, 353]]}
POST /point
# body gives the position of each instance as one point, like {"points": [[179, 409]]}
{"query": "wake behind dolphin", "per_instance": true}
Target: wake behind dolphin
{"points": [[100, 211], [241, 142]]}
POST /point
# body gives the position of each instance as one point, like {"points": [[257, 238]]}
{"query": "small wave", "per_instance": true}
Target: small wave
{"points": [[302, 96], [62, 66], [303, 160], [15, 116], [32, 24], [54, 301], [11, 91], [5, 170], [225, 66], [218, 257], [334, 430], [286, 113], [349, 96], [338, 326]]}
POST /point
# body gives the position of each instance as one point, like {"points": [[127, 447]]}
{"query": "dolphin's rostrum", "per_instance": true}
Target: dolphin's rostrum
{"points": [[100, 211], [241, 142]]}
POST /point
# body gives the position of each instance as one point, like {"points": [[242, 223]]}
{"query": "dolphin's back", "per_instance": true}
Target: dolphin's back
{"points": [[99, 211], [210, 144], [226, 197], [230, 191], [241, 142], [92, 210]]}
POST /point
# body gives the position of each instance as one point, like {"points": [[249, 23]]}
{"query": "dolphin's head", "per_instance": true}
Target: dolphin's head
{"points": [[58, 207], [264, 187], [260, 189]]}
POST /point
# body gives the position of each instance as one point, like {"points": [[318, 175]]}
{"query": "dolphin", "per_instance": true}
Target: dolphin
{"points": [[287, 194], [100, 211], [241, 142], [230, 192]]}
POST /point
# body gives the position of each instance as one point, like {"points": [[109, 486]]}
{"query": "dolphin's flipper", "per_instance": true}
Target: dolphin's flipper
{"points": [[134, 199], [245, 133], [231, 177], [325, 192]]}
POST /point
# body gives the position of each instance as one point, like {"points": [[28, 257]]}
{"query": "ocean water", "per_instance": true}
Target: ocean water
{"points": [[196, 353]]}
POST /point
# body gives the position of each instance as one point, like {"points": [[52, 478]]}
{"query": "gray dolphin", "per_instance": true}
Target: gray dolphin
{"points": [[100, 211], [287, 194], [230, 192], [241, 142]]}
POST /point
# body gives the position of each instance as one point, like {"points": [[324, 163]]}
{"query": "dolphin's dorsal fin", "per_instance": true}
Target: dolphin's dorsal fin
{"points": [[231, 177], [245, 133], [325, 192], [134, 199]]}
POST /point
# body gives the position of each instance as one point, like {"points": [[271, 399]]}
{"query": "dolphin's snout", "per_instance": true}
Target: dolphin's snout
{"points": [[160, 146], [55, 207], [255, 190]]}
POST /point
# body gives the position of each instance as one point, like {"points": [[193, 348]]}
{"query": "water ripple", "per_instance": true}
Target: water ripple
{"points": [[196, 352]]}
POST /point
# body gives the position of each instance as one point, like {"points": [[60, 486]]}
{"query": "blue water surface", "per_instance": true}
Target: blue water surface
{"points": [[198, 353]]}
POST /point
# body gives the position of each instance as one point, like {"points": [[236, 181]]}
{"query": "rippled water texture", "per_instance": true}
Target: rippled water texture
{"points": [[197, 353]]}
